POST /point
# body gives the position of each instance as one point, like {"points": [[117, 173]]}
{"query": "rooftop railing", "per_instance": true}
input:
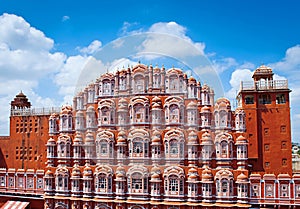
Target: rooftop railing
{"points": [[34, 111], [264, 85]]}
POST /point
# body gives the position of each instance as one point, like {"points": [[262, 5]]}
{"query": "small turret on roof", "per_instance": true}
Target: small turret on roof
{"points": [[20, 102]]}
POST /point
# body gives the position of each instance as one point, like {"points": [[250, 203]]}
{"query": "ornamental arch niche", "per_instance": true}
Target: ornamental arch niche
{"points": [[224, 145], [224, 183], [61, 205], [174, 144], [137, 207], [137, 180], [174, 181], [139, 110], [138, 143], [106, 112], [105, 145], [103, 179], [174, 110]]}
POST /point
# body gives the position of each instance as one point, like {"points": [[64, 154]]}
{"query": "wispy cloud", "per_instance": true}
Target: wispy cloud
{"points": [[92, 48], [65, 18]]}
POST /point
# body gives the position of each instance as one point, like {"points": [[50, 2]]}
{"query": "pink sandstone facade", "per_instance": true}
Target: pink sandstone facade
{"points": [[147, 137]]}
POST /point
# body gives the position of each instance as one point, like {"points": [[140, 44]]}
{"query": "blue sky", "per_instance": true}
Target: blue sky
{"points": [[237, 36]]}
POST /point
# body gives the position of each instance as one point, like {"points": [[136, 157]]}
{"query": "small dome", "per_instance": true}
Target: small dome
{"points": [[283, 176], [156, 132], [87, 171], [21, 95], [155, 169], [239, 110], [79, 113], [78, 138], [76, 172], [121, 137], [241, 140], [89, 137], [205, 87], [156, 99], [242, 177], [206, 174], [206, 137], [263, 69], [121, 140], [205, 109], [223, 102], [66, 110], [192, 138], [121, 133], [192, 80], [156, 106], [122, 100], [193, 176], [51, 141], [53, 116], [49, 173], [155, 176], [120, 169], [193, 170], [192, 105], [155, 140], [120, 175], [91, 109]]}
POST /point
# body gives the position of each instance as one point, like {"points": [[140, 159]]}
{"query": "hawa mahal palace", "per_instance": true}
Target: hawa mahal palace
{"points": [[152, 138]]}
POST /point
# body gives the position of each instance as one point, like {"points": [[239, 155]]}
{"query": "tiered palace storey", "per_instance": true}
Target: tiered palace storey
{"points": [[149, 138]]}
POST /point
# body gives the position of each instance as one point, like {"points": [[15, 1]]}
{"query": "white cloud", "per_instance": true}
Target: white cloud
{"points": [[223, 64], [180, 45], [25, 58], [166, 38], [235, 81], [75, 74], [92, 48], [65, 18], [291, 62], [17, 34]]}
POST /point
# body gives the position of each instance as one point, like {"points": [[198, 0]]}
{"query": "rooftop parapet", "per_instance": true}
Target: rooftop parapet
{"points": [[263, 85]]}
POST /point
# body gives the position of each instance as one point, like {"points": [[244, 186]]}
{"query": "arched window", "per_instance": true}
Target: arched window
{"points": [[103, 183], [224, 149], [138, 144], [174, 148], [61, 179], [224, 145], [174, 83], [63, 146], [105, 115], [223, 119], [174, 181], [174, 114], [224, 183], [107, 87], [139, 113], [122, 84], [174, 144], [139, 148], [105, 145], [137, 180], [156, 81], [139, 110], [139, 84], [106, 111]]}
